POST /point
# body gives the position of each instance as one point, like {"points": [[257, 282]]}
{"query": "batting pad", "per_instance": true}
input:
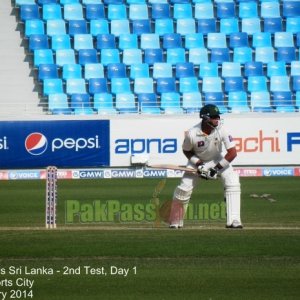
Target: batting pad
{"points": [[177, 213], [233, 204]]}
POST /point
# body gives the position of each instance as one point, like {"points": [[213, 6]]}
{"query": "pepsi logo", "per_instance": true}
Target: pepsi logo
{"points": [[36, 143]]}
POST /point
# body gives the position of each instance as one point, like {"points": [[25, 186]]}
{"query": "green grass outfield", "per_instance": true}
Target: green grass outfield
{"points": [[202, 261]]}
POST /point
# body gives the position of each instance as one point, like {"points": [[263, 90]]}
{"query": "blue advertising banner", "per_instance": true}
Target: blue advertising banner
{"points": [[28, 144]]}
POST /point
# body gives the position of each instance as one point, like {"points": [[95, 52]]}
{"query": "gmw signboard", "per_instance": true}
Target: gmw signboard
{"points": [[37, 144]]}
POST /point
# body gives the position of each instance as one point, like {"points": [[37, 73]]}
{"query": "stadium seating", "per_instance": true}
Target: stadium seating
{"points": [[160, 57]]}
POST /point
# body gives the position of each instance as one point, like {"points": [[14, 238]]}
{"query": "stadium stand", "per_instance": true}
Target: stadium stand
{"points": [[159, 57]]}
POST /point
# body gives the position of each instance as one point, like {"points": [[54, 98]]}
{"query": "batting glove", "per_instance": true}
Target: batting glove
{"points": [[212, 173], [203, 171]]}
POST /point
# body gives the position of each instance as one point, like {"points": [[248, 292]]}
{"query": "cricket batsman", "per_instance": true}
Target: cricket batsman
{"points": [[202, 146]]}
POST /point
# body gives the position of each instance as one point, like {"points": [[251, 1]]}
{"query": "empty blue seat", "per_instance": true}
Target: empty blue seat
{"points": [[75, 86], [83, 41], [290, 9], [292, 24], [141, 26], [116, 12], [175, 55], [220, 55], [139, 71], [132, 56], [73, 11], [160, 11], [296, 83], [231, 69], [182, 11], [116, 71], [77, 27], [61, 41], [38, 41], [109, 56], [270, 9], [71, 71], [216, 98], [152, 56], [63, 2], [148, 103], [237, 102], [192, 102], [87, 56], [99, 26], [52, 86], [226, 10], [186, 26], [265, 54], [261, 39], [43, 2], [94, 70], [198, 56], [251, 25], [119, 27], [280, 84], [184, 70], [253, 68], [42, 56], [97, 86], [295, 68], [283, 39], [188, 85], [18, 3], [162, 70], [242, 54], [283, 102], [208, 69], [260, 101], [170, 103], [113, 1], [257, 84], [103, 103], [128, 41], [35, 26], [94, 11], [216, 40], [233, 84], [238, 39], [143, 85], [125, 103], [272, 25], [150, 41], [165, 85], [172, 40], [194, 40], [120, 85], [46, 71], [286, 54], [106, 41], [229, 26], [29, 12], [51, 11], [206, 26], [138, 12], [83, 111], [204, 10], [164, 26], [248, 9], [80, 101], [211, 84], [276, 68], [58, 101]]}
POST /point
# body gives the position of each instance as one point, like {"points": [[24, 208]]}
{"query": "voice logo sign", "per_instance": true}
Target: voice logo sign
{"points": [[36, 143]]}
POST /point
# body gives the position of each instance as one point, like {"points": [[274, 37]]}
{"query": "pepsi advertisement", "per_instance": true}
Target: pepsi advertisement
{"points": [[38, 144]]}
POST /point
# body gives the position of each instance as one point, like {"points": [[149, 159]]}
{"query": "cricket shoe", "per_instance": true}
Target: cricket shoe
{"points": [[235, 225], [175, 226]]}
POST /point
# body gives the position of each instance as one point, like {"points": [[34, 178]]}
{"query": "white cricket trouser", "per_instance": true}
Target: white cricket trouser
{"points": [[232, 192]]}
